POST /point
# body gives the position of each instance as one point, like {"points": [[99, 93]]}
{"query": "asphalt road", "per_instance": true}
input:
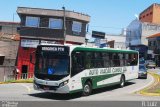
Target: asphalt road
{"points": [[25, 92]]}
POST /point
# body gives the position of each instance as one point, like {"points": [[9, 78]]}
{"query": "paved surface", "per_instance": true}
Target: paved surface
{"points": [[25, 92], [157, 70]]}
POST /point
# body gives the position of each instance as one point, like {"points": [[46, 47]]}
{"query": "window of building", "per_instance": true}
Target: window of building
{"points": [[149, 44], [18, 29], [0, 27], [55, 23], [154, 43], [2, 60], [32, 21], [76, 26], [150, 13]]}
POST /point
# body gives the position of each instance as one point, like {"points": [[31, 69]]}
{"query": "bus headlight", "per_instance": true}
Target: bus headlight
{"points": [[63, 83], [144, 73]]}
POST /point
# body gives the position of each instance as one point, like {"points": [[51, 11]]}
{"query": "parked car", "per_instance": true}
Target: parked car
{"points": [[142, 61], [142, 71], [151, 64]]}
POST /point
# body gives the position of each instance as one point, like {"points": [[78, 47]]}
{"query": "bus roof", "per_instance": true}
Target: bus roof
{"points": [[78, 48], [85, 48]]}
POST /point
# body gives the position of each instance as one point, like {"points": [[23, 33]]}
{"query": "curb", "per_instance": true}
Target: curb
{"points": [[149, 94], [143, 92], [16, 82], [4, 83]]}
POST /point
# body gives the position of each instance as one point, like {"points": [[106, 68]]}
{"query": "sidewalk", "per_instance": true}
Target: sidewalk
{"points": [[153, 89], [156, 71]]}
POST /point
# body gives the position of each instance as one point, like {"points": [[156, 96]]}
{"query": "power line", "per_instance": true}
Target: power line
{"points": [[108, 27]]}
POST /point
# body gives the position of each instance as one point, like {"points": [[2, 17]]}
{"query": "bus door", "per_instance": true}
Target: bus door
{"points": [[77, 68]]}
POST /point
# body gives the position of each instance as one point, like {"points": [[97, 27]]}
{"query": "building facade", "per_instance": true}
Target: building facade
{"points": [[154, 47], [48, 26], [137, 33], [111, 40], [151, 14], [116, 41], [9, 43]]}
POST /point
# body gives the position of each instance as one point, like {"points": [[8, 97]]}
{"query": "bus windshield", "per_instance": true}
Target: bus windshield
{"points": [[51, 64]]}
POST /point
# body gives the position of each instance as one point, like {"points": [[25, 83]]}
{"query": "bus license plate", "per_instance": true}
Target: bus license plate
{"points": [[46, 88]]}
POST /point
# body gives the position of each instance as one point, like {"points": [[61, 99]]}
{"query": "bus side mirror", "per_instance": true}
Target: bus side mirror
{"points": [[32, 60]]}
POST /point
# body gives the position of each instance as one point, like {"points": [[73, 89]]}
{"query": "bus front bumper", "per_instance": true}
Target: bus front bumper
{"points": [[52, 89]]}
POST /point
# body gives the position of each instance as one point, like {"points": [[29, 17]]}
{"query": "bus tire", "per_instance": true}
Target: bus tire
{"points": [[122, 81], [87, 89]]}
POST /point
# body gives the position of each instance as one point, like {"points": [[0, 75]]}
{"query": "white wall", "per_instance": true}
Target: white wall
{"points": [[149, 29], [119, 40]]}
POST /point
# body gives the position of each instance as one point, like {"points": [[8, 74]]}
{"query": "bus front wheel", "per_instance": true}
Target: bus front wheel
{"points": [[87, 89], [122, 81]]}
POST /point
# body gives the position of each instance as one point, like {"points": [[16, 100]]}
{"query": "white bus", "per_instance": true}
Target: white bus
{"points": [[69, 69]]}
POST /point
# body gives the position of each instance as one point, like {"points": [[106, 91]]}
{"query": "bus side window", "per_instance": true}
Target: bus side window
{"points": [[77, 63], [88, 60], [111, 59], [121, 59], [134, 58], [106, 59], [115, 60], [127, 61], [124, 60], [98, 61]]}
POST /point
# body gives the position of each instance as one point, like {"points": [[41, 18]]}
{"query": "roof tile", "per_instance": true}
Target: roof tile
{"points": [[154, 36]]}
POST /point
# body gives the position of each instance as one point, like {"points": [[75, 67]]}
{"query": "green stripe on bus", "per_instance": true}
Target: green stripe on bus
{"points": [[74, 91], [103, 50], [98, 78]]}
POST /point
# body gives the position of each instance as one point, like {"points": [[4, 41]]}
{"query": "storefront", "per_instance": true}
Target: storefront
{"points": [[26, 47]]}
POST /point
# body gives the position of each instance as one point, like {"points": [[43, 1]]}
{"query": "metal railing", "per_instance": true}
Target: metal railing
{"points": [[20, 76]]}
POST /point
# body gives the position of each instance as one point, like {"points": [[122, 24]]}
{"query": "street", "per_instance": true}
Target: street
{"points": [[25, 92]]}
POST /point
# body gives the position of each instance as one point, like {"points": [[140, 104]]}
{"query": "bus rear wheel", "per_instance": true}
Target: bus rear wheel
{"points": [[87, 89], [122, 81]]}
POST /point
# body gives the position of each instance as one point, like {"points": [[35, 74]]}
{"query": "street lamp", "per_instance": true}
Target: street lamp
{"points": [[64, 24]]}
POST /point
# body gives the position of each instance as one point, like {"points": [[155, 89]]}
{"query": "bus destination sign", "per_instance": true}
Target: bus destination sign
{"points": [[55, 49]]}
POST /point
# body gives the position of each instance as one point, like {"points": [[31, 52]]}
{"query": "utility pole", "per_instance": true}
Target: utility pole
{"points": [[130, 38], [86, 40], [64, 24], [12, 24]]}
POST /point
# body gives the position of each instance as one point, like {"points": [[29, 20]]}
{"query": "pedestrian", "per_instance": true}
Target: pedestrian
{"points": [[15, 73]]}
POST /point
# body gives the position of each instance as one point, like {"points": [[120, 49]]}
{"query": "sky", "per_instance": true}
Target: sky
{"points": [[108, 16]]}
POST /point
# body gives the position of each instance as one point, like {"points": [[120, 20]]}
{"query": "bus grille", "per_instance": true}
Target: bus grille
{"points": [[46, 87]]}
